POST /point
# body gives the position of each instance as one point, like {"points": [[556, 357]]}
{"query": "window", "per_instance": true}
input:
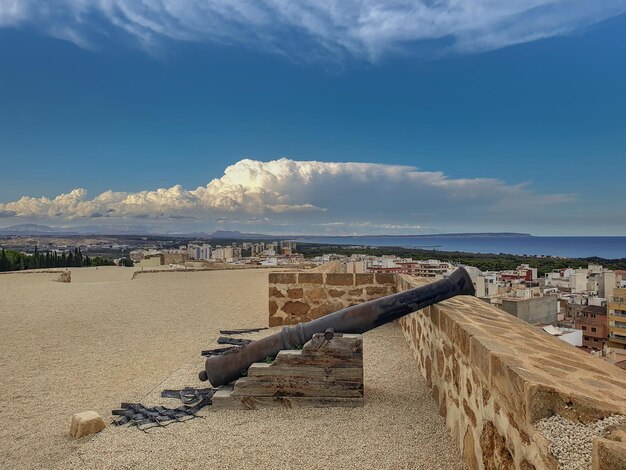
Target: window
{"points": [[593, 329], [584, 327], [595, 340]]}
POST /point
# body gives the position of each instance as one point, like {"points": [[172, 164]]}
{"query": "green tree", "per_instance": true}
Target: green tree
{"points": [[126, 262], [4, 261]]}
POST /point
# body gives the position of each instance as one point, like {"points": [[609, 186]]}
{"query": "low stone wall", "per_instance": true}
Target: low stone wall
{"points": [[495, 376], [298, 297]]}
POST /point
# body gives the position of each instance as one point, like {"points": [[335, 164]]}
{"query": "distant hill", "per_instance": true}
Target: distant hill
{"points": [[33, 229], [453, 235], [236, 234], [37, 229], [241, 236]]}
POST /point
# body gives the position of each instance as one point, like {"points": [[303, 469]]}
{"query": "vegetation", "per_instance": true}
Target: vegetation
{"points": [[11, 260], [483, 261], [126, 262]]}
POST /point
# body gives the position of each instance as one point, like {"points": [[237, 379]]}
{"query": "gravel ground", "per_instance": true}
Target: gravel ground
{"points": [[104, 339], [571, 442]]}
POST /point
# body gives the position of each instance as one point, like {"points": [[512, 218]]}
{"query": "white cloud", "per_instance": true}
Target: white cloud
{"points": [[307, 194], [313, 29]]}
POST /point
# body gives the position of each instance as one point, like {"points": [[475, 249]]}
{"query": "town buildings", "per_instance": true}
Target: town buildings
{"points": [[287, 247], [261, 253], [592, 320], [617, 319]]}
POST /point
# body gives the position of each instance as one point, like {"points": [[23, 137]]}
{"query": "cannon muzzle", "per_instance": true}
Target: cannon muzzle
{"points": [[220, 370]]}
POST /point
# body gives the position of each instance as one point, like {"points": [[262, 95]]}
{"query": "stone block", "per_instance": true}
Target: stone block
{"points": [[310, 278], [273, 307], [608, 455], [336, 293], [459, 331], [296, 308], [316, 293], [276, 321], [480, 350], [363, 279], [469, 452], [443, 407], [386, 278], [324, 309], [434, 315], [283, 278], [469, 413], [506, 379], [439, 361], [274, 292], [339, 279], [496, 455], [376, 291], [86, 423], [296, 293]]}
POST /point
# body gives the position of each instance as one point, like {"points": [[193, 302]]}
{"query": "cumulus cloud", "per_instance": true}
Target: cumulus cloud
{"points": [[312, 29], [308, 194]]}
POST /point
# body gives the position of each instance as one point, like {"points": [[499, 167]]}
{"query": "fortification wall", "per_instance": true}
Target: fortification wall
{"points": [[304, 296], [493, 376]]}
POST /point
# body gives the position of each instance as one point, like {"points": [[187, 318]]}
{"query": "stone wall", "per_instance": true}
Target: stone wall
{"points": [[297, 297], [495, 376], [492, 375]]}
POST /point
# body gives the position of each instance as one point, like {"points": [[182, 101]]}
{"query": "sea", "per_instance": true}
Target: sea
{"points": [[565, 247]]}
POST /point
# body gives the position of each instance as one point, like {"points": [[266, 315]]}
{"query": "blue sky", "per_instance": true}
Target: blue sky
{"points": [[510, 123]]}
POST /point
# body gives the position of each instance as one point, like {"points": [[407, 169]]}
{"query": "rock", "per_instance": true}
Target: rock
{"points": [[85, 423]]}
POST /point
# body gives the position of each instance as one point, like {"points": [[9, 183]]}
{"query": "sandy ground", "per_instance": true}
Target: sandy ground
{"points": [[104, 339]]}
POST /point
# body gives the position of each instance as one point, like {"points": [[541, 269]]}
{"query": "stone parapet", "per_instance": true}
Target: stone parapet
{"points": [[295, 297], [495, 376]]}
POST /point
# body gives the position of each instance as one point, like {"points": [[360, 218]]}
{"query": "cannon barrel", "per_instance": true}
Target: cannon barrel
{"points": [[220, 370]]}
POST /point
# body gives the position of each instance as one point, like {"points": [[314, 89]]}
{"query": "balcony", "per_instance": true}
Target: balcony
{"points": [[617, 329], [617, 338], [617, 303]]}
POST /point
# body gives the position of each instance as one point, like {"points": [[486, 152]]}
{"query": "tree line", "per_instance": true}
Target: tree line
{"points": [[11, 260], [483, 261]]}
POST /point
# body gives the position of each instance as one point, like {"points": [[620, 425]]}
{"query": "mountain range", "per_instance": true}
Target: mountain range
{"points": [[43, 230]]}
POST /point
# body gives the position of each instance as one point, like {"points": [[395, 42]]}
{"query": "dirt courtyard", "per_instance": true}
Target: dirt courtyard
{"points": [[104, 338]]}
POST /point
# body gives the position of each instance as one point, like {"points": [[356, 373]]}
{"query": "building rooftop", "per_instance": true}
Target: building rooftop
{"points": [[104, 339], [594, 309]]}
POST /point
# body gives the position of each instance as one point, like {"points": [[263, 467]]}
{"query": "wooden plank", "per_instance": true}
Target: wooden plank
{"points": [[298, 387], [263, 370], [228, 401], [344, 343], [317, 359]]}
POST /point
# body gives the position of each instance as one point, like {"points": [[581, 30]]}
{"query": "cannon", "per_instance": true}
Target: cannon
{"points": [[223, 369]]}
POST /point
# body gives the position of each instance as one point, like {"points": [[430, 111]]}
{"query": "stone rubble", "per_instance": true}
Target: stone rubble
{"points": [[571, 442]]}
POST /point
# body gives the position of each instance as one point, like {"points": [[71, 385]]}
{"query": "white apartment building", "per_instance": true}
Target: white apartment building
{"points": [[199, 252], [486, 285]]}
